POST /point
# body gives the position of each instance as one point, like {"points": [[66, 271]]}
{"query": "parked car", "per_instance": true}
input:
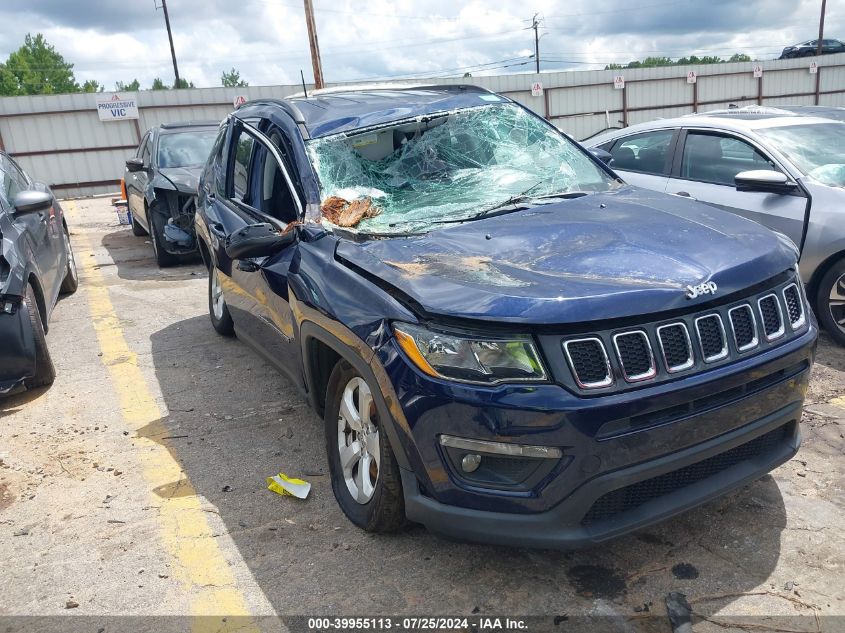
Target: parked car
{"points": [[784, 171], [161, 186], [506, 342], [811, 47], [826, 112], [36, 266]]}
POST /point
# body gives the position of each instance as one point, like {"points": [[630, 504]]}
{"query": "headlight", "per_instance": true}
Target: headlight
{"points": [[470, 359]]}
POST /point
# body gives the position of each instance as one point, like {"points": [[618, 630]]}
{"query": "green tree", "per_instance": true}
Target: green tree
{"points": [[739, 57], [36, 68], [184, 83], [232, 79], [92, 85], [158, 84], [132, 86]]}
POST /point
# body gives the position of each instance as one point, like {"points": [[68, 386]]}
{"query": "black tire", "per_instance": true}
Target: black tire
{"points": [[221, 320], [832, 317], [71, 280], [163, 258], [45, 372], [384, 510], [137, 229]]}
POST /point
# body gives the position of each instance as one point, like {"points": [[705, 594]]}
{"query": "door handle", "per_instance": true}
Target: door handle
{"points": [[217, 229], [683, 194]]}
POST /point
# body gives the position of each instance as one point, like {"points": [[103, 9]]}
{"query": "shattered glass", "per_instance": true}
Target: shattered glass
{"points": [[449, 166]]}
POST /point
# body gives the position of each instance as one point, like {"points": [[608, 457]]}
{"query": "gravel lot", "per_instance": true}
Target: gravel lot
{"points": [[136, 486]]}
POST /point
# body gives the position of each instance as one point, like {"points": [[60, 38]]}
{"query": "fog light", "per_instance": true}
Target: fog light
{"points": [[470, 462]]}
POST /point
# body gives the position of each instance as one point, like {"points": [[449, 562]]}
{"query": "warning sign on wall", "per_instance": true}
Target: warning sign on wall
{"points": [[238, 101], [758, 71], [691, 77], [619, 82], [537, 89]]}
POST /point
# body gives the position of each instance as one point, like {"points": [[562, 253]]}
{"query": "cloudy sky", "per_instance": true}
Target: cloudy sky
{"points": [[366, 39]]}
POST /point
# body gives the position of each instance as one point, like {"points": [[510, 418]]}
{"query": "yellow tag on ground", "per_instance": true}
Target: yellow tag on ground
{"points": [[288, 486]]}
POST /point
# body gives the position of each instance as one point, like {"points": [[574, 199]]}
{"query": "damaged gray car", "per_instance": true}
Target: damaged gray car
{"points": [[161, 186]]}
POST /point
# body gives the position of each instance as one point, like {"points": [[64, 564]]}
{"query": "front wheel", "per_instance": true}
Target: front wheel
{"points": [[71, 280], [163, 258], [137, 229], [221, 320], [830, 301], [45, 371], [364, 472]]}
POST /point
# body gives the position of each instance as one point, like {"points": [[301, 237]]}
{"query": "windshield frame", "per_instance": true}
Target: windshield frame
{"points": [[213, 132], [614, 180]]}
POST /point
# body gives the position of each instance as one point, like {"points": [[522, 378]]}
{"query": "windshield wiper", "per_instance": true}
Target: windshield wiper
{"points": [[497, 209]]}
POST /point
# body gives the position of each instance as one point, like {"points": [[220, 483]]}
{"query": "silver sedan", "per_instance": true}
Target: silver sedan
{"points": [[784, 171]]}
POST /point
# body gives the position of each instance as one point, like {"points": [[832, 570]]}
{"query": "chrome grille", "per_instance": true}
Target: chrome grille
{"points": [[676, 347], [635, 357], [625, 357], [744, 327], [771, 316], [589, 362], [711, 336], [794, 307]]}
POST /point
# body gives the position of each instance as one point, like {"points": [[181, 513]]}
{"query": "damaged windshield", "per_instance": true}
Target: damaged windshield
{"points": [[185, 149], [449, 166]]}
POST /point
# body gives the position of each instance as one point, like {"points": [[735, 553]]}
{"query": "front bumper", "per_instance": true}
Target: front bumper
{"points": [[17, 350], [694, 439]]}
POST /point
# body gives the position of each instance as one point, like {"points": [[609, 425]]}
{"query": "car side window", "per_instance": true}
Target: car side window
{"points": [[147, 150], [275, 197], [647, 152], [13, 180], [716, 158], [140, 151], [242, 160]]}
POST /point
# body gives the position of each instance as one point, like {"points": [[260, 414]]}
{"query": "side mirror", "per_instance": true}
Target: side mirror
{"points": [[764, 180], [257, 240], [135, 164], [27, 202], [602, 155]]}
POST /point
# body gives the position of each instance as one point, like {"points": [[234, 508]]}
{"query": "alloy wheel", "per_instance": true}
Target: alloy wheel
{"points": [[71, 259], [836, 302], [358, 440], [217, 301]]}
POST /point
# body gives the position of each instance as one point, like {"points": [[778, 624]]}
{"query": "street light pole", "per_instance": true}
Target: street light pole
{"points": [[170, 37], [535, 25]]}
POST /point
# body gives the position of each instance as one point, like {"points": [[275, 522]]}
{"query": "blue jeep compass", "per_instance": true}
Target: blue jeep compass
{"points": [[507, 343]]}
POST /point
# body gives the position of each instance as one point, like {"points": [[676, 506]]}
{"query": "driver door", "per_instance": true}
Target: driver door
{"points": [[261, 190]]}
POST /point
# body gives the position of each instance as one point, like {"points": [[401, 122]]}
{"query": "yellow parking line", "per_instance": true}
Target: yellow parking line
{"points": [[199, 562]]}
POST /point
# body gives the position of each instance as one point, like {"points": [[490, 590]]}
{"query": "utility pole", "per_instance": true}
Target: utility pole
{"points": [[170, 37], [315, 47], [821, 28], [535, 25]]}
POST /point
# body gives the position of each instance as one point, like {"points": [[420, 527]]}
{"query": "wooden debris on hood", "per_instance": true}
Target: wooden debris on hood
{"points": [[342, 212]]}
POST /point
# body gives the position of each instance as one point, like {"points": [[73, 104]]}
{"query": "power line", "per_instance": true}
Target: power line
{"points": [[377, 15]]}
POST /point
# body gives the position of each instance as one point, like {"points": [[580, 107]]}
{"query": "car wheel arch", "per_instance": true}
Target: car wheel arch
{"points": [[819, 273], [38, 291], [320, 344]]}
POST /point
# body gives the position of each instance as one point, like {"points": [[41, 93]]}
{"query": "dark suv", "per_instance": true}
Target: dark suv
{"points": [[811, 47], [505, 341]]}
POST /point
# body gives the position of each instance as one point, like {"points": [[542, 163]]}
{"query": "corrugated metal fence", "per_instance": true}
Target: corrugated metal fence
{"points": [[60, 139]]}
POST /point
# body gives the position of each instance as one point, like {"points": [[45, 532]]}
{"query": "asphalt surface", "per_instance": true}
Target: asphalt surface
{"points": [[135, 485]]}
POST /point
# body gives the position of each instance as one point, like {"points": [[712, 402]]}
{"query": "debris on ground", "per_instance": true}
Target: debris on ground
{"points": [[288, 486], [679, 611], [342, 212]]}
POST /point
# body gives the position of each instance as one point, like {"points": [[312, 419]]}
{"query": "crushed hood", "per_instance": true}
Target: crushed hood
{"points": [[184, 179], [602, 256]]}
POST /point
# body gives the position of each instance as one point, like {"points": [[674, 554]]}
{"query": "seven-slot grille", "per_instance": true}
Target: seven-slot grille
{"points": [[635, 355], [589, 362], [676, 347], [744, 327], [794, 307], [771, 316], [711, 335], [715, 336]]}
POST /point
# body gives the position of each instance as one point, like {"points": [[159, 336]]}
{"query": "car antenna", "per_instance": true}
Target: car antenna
{"points": [[303, 83]]}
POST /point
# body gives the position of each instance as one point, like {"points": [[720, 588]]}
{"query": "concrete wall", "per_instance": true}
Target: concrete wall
{"points": [[59, 138]]}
